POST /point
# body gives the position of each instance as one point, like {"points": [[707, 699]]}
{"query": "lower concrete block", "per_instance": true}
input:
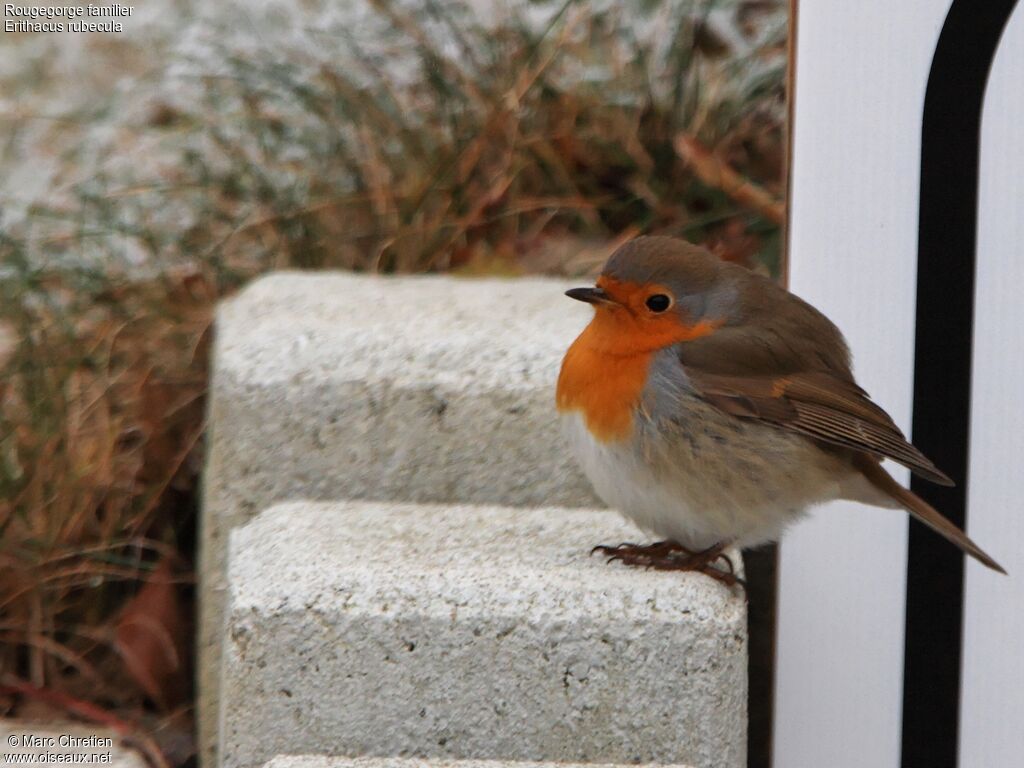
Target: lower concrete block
{"points": [[374, 628], [319, 761]]}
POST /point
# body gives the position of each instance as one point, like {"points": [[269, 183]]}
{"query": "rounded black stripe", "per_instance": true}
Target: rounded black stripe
{"points": [[942, 370]]}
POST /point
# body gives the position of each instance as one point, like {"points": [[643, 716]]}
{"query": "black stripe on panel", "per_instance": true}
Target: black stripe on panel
{"points": [[942, 370]]}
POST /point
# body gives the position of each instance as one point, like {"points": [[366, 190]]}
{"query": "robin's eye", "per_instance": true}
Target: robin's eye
{"points": [[659, 302]]}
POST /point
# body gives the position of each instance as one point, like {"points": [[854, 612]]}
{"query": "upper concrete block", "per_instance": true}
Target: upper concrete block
{"points": [[318, 761], [333, 385], [422, 388], [364, 628]]}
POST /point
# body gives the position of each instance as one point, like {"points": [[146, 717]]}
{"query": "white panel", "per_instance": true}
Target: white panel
{"points": [[992, 702], [861, 74]]}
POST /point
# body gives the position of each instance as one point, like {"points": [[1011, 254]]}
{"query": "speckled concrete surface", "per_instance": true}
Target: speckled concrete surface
{"points": [[438, 631], [334, 386], [315, 761]]}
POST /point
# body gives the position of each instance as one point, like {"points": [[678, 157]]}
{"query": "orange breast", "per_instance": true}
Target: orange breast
{"points": [[605, 370], [605, 387]]}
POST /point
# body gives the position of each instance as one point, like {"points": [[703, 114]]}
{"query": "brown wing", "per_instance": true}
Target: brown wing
{"points": [[783, 362], [820, 405]]}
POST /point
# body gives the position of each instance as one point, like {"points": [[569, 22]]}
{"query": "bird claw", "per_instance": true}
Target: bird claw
{"points": [[606, 548], [671, 556]]}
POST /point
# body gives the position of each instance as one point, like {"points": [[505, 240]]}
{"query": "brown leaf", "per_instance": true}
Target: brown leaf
{"points": [[715, 173], [8, 341], [151, 637]]}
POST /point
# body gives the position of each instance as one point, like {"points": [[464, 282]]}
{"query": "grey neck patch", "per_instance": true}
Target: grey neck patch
{"points": [[666, 383]]}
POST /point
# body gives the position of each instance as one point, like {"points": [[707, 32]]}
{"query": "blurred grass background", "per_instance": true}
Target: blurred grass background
{"points": [[147, 174]]}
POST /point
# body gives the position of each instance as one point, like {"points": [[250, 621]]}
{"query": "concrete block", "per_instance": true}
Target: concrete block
{"points": [[319, 761], [51, 743], [334, 386], [376, 628]]}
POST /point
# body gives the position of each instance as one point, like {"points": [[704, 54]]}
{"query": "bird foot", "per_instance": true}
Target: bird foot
{"points": [[672, 556]]}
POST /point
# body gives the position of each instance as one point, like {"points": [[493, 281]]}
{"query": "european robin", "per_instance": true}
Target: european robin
{"points": [[713, 407]]}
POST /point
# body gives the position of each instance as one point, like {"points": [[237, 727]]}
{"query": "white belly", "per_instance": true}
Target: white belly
{"points": [[719, 480]]}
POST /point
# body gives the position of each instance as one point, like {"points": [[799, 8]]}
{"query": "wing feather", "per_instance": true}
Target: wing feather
{"points": [[820, 405]]}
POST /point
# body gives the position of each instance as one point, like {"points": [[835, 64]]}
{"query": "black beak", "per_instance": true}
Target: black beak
{"points": [[589, 295]]}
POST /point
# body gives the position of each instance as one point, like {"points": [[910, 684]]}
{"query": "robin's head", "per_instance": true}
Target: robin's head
{"points": [[657, 291]]}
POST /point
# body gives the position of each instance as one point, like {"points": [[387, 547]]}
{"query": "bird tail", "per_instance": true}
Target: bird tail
{"points": [[923, 511]]}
